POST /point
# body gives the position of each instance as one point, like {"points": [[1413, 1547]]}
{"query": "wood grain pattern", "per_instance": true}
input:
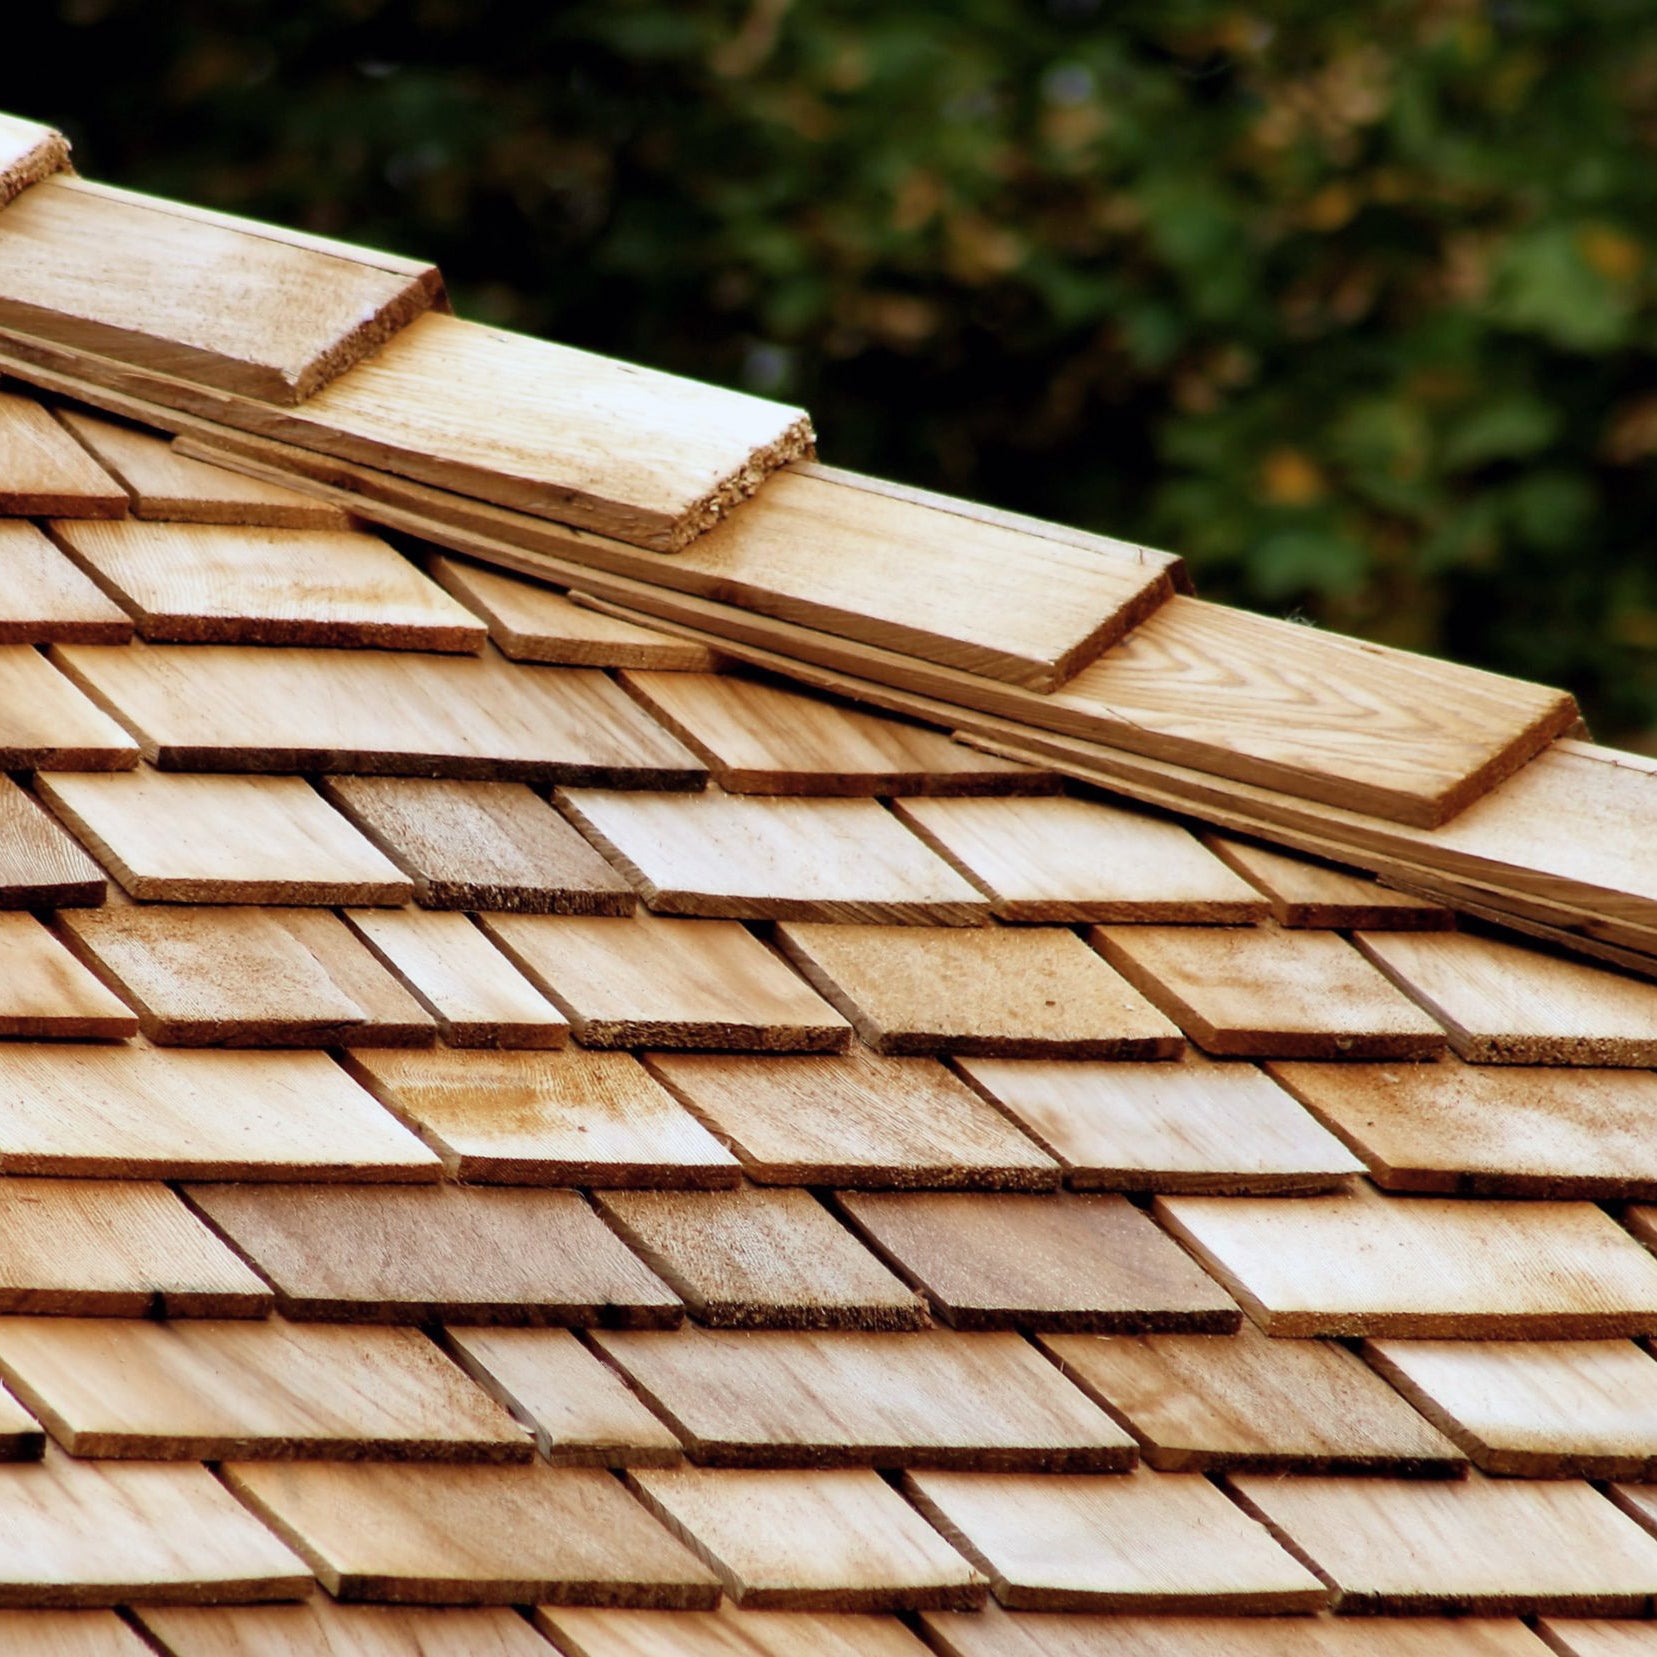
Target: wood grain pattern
{"points": [[761, 738], [1490, 1131], [1063, 1261], [29, 152], [473, 1535], [627, 451], [180, 838], [477, 996], [1015, 607], [995, 1633], [46, 724], [1262, 992], [1241, 697], [855, 1120], [1487, 1546], [237, 976], [654, 981], [142, 1112], [823, 1540], [1436, 1267], [533, 623], [217, 300], [194, 583], [320, 1628], [1067, 859], [46, 599], [68, 1633], [1539, 1409], [40, 866], [806, 1398], [545, 1118], [747, 858], [46, 992], [1503, 1003], [758, 1258], [581, 1412], [242, 708], [991, 992], [1198, 1403], [129, 1389], [1304, 893], [169, 487], [88, 1533], [1149, 1541], [1196, 1126], [44, 471], [481, 845], [115, 1249], [725, 1633], [362, 1253]]}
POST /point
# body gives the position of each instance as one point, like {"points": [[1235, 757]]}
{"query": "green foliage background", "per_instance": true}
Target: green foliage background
{"points": [[1354, 305]]}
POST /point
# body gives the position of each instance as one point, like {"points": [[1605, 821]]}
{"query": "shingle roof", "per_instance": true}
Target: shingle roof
{"points": [[503, 1107]]}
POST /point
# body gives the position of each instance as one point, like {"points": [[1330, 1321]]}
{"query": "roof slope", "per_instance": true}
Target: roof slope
{"points": [[517, 1134]]}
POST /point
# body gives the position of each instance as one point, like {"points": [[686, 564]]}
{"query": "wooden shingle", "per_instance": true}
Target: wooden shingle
{"points": [[199, 1390], [115, 1248], [1201, 1402], [1436, 1267], [481, 845], [40, 865], [1003, 1260], [411, 1255], [46, 993], [94, 1533], [855, 1120], [533, 623], [1145, 1542], [581, 1413], [1262, 992], [545, 1118], [1480, 1545], [393, 713], [1303, 893], [243, 584], [213, 839], [68, 1633], [804, 1398], [821, 1540], [318, 1627], [762, 738], [1033, 992], [658, 981], [243, 976], [1506, 1004], [761, 1258], [773, 858], [46, 724], [29, 152], [162, 484], [1485, 1130], [44, 471], [477, 996], [473, 1535], [1542, 1409], [142, 1112], [212, 299], [46, 600], [1195, 1126], [1067, 859]]}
